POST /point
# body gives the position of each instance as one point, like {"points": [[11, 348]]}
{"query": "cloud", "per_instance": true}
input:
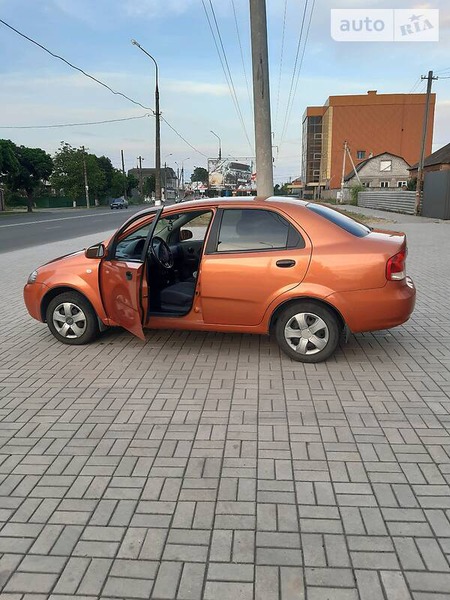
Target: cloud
{"points": [[198, 88], [157, 8]]}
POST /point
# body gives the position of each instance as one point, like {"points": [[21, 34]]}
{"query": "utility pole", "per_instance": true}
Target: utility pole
{"points": [[419, 186], [261, 98], [341, 201], [86, 186], [124, 177], [140, 159]]}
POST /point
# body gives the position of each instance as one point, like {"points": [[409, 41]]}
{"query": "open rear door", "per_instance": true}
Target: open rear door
{"points": [[123, 278]]}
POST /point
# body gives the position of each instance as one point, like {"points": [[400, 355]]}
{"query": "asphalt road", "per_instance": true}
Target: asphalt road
{"points": [[44, 226]]}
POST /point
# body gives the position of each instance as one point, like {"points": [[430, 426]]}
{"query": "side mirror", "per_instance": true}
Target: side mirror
{"points": [[186, 234], [95, 251]]}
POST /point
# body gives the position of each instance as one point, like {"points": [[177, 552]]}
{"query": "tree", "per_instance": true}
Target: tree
{"points": [[149, 185], [200, 174], [68, 173], [24, 169], [281, 190]]}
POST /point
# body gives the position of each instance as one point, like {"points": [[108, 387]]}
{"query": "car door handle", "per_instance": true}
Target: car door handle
{"points": [[129, 275], [286, 263]]}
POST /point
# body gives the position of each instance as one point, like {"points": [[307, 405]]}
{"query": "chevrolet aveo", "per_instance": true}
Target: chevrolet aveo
{"points": [[300, 270]]}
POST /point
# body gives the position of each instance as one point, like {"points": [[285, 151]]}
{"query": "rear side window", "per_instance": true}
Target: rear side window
{"points": [[253, 229], [342, 221]]}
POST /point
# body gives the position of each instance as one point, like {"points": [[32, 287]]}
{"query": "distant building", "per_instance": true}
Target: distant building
{"points": [[370, 123], [385, 170], [295, 188], [169, 180], [438, 161]]}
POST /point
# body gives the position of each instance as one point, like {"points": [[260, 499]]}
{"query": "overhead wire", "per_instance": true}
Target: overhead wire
{"points": [[302, 58], [281, 65], [96, 81], [242, 53], [56, 126], [225, 65], [75, 67], [294, 71]]}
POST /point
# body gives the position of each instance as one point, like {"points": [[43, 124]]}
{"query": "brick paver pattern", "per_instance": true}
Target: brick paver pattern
{"points": [[208, 466]]}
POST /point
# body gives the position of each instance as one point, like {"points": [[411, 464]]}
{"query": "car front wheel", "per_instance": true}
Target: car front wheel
{"points": [[71, 319], [308, 332]]}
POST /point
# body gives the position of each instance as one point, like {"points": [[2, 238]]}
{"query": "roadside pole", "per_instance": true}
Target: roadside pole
{"points": [[86, 185], [261, 98], [419, 186], [124, 177]]}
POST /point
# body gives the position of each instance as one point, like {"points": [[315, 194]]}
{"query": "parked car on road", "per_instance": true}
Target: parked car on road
{"points": [[300, 270], [119, 203]]}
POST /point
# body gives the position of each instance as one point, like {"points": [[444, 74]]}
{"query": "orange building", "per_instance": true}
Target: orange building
{"points": [[370, 124]]}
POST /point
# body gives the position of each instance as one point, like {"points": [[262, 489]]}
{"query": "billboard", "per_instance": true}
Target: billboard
{"points": [[230, 174]]}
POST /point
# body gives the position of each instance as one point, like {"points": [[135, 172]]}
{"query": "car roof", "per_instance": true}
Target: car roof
{"points": [[237, 201]]}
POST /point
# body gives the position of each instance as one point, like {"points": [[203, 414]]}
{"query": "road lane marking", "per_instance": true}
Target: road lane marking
{"points": [[58, 219]]}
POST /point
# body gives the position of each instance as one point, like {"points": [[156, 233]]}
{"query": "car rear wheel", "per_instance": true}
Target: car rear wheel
{"points": [[307, 332], [71, 319]]}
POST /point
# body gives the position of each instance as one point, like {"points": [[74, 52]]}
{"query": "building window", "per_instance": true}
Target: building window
{"points": [[316, 173], [385, 165], [384, 184], [317, 136], [401, 184], [317, 155], [366, 184], [360, 154]]}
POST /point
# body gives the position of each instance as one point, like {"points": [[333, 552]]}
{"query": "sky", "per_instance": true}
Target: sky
{"points": [[37, 89]]}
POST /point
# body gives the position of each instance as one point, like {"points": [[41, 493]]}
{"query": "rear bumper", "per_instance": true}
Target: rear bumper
{"points": [[381, 308]]}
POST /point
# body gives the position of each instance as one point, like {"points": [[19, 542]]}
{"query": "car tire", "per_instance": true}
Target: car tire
{"points": [[312, 345], [71, 319]]}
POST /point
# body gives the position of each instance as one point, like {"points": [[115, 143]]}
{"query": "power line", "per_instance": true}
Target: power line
{"points": [[94, 79], [302, 58], [225, 65], [290, 98], [242, 54], [72, 124], [181, 137], [281, 64], [75, 67]]}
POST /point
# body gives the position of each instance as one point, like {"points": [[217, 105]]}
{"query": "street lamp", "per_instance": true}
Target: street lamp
{"points": [[220, 145], [158, 130]]}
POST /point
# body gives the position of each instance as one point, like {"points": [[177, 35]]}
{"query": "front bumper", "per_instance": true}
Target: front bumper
{"points": [[32, 295]]}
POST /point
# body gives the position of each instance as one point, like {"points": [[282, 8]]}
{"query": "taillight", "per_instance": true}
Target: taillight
{"points": [[396, 266]]}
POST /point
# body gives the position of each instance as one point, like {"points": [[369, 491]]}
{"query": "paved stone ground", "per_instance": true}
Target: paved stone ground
{"points": [[207, 466]]}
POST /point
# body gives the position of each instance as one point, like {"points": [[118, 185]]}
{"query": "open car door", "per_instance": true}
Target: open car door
{"points": [[123, 280]]}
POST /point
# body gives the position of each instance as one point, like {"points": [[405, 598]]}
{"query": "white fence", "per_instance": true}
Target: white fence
{"points": [[400, 201]]}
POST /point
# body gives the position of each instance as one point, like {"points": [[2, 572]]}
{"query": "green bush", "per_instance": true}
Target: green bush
{"points": [[354, 191]]}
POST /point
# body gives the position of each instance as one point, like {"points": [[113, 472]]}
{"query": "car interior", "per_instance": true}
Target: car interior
{"points": [[173, 259]]}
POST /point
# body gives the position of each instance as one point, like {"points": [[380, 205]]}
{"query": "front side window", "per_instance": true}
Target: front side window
{"points": [[385, 165], [131, 245], [384, 184], [254, 229]]}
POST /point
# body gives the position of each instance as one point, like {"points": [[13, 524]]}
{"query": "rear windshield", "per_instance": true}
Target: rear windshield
{"points": [[342, 221]]}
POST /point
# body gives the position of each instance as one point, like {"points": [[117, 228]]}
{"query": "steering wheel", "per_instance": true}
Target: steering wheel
{"points": [[162, 253]]}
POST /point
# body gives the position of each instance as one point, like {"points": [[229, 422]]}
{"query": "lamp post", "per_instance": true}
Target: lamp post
{"points": [[220, 144], [158, 130]]}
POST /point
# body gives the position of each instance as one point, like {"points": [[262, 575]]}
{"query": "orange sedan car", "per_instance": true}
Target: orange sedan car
{"points": [[256, 265]]}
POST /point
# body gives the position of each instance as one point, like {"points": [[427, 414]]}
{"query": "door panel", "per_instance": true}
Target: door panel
{"points": [[120, 285], [237, 288]]}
